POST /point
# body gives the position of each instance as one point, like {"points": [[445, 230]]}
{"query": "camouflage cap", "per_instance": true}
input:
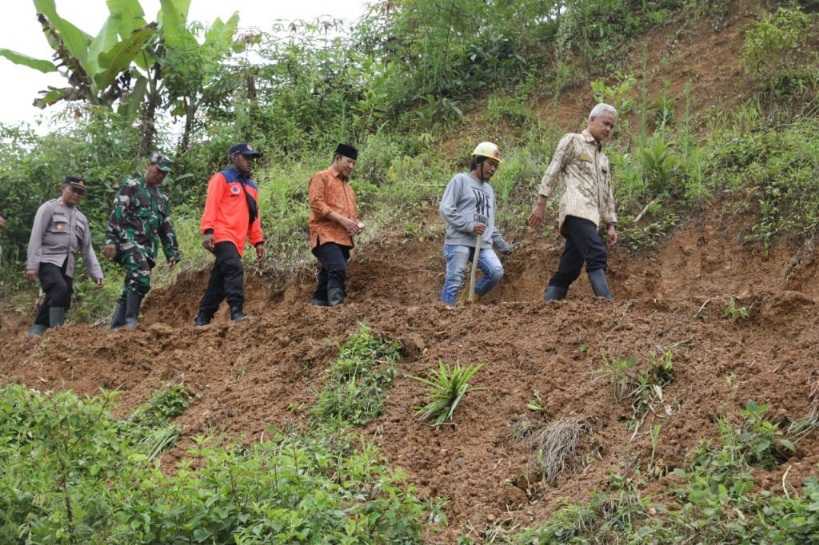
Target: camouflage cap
{"points": [[161, 161]]}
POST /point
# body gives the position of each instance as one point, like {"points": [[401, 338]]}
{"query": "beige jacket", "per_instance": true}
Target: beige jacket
{"points": [[581, 171], [59, 233]]}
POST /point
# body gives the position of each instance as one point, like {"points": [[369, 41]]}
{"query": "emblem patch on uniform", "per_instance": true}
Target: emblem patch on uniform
{"points": [[585, 157], [234, 189]]}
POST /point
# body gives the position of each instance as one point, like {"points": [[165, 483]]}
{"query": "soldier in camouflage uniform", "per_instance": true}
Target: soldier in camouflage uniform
{"points": [[140, 217]]}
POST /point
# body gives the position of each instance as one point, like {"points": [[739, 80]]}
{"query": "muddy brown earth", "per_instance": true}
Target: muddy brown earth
{"points": [[266, 371]]}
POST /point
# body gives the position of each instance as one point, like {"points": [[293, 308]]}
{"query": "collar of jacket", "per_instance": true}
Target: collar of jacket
{"points": [[231, 174], [61, 202], [590, 139]]}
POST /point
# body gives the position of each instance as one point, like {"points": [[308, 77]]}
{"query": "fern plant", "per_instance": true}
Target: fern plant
{"points": [[447, 388]]}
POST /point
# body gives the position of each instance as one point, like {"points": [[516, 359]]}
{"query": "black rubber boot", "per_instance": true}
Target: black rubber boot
{"points": [[56, 316], [118, 319], [335, 296], [202, 319], [554, 293], [132, 303], [37, 330], [599, 284], [237, 315], [319, 302]]}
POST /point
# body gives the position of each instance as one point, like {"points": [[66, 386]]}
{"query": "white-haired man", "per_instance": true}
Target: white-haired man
{"points": [[581, 170]]}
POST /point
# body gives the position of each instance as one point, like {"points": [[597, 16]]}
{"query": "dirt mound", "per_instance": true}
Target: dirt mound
{"points": [[267, 370]]}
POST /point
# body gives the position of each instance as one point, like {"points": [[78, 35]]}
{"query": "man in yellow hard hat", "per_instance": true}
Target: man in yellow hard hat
{"points": [[468, 207]]}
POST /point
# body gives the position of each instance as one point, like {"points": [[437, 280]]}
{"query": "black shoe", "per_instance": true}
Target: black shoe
{"points": [[599, 284], [554, 293], [56, 316], [132, 303], [236, 314], [118, 319], [201, 319], [37, 330], [319, 302], [335, 296]]}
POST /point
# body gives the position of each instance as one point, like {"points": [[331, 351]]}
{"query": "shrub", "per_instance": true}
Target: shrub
{"points": [[776, 52], [509, 110], [358, 379], [72, 474]]}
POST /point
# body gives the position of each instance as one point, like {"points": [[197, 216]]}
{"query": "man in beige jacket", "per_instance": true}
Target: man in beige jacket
{"points": [[60, 232], [581, 170]]}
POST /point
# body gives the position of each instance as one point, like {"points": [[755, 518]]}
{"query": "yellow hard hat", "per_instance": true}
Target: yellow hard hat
{"points": [[487, 149]]}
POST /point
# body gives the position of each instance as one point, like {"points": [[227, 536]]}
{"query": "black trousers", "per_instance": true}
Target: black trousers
{"points": [[226, 280], [332, 271], [583, 245], [58, 288]]}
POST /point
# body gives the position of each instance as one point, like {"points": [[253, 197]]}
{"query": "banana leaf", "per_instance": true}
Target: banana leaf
{"points": [[24, 60]]}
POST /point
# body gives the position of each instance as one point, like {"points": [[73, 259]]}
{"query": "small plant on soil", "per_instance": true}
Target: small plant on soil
{"points": [[760, 441], [446, 389], [358, 379], [536, 404], [656, 467], [618, 373], [149, 428], [643, 387], [734, 312], [164, 404], [648, 391], [436, 511]]}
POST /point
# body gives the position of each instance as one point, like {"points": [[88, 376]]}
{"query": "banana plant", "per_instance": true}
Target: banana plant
{"points": [[180, 69], [97, 68]]}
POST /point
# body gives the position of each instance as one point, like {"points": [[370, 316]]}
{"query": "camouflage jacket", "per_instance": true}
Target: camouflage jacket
{"points": [[141, 215], [581, 171]]}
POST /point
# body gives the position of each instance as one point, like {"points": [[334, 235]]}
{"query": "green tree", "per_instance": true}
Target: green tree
{"points": [[191, 69], [97, 68]]}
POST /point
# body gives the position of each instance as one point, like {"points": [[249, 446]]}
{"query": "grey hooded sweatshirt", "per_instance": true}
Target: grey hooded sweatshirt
{"points": [[467, 200]]}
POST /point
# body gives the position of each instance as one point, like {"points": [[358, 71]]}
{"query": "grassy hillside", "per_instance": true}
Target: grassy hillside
{"points": [[684, 412]]}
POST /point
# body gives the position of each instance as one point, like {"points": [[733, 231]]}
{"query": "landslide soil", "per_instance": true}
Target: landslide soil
{"points": [[266, 371]]}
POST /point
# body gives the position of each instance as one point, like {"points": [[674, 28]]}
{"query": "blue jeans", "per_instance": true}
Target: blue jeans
{"points": [[459, 262]]}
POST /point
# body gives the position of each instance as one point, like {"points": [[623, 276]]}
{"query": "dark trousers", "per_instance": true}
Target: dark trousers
{"points": [[332, 271], [583, 245], [226, 280], [58, 289]]}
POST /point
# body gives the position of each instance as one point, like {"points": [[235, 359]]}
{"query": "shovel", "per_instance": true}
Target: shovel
{"points": [[474, 272]]}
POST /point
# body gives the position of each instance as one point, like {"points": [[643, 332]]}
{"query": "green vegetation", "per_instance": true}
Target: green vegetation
{"points": [[642, 385], [72, 474], [735, 312], [447, 387], [358, 380], [777, 53], [714, 501]]}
